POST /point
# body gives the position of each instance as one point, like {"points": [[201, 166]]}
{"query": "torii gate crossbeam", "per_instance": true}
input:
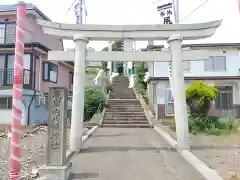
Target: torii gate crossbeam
{"points": [[154, 56]]}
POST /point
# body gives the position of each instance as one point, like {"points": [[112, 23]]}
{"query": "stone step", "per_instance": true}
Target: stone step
{"points": [[131, 113], [124, 122], [127, 96], [126, 125], [125, 102], [110, 114], [114, 118], [115, 110], [125, 106], [123, 96], [134, 100], [119, 96]]}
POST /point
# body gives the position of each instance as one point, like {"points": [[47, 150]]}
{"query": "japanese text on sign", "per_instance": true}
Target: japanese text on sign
{"points": [[55, 122], [166, 13]]}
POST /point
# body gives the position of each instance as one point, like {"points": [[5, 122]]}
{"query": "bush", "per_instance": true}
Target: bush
{"points": [[94, 100], [199, 96], [208, 125], [212, 125]]}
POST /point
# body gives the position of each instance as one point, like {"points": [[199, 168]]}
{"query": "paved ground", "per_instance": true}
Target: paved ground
{"points": [[130, 154]]}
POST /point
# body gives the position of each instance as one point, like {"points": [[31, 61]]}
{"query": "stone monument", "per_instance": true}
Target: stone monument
{"points": [[56, 162]]}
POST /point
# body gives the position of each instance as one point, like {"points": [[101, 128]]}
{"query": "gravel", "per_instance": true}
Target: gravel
{"points": [[221, 153], [33, 153]]}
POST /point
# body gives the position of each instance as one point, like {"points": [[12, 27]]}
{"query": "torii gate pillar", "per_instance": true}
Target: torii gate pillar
{"points": [[180, 107], [78, 93]]}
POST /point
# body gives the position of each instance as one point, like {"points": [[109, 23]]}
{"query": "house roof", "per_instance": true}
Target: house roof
{"points": [[159, 47], [29, 6], [28, 45], [196, 78]]}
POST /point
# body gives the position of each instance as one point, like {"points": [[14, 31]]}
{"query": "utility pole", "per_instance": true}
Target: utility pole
{"points": [[176, 10]]}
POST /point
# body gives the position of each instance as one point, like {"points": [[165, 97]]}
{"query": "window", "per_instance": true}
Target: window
{"points": [[2, 33], [7, 65], [27, 61], [7, 32], [186, 65], [10, 33], [6, 103], [215, 63], [224, 100], [10, 61], [50, 72], [2, 61]]}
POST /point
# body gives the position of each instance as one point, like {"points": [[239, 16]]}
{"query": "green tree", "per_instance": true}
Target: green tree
{"points": [[199, 96], [117, 45]]}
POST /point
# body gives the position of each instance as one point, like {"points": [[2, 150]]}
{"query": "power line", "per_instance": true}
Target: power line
{"points": [[198, 7], [73, 2]]}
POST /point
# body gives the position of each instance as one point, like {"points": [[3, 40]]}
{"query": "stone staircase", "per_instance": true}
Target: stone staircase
{"points": [[124, 110]]}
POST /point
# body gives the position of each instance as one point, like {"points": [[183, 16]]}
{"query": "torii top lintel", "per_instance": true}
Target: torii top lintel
{"points": [[137, 32]]}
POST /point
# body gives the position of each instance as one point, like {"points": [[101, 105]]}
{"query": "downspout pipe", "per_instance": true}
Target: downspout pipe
{"points": [[29, 106], [33, 96]]}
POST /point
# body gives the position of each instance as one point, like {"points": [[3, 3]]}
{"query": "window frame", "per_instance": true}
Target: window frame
{"points": [[189, 66], [214, 62], [6, 71], [5, 33], [48, 75], [8, 103]]}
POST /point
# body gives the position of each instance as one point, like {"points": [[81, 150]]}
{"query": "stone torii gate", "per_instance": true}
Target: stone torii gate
{"points": [[174, 34]]}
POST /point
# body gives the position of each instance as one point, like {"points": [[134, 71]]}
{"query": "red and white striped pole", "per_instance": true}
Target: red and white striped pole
{"points": [[238, 5], [15, 163]]}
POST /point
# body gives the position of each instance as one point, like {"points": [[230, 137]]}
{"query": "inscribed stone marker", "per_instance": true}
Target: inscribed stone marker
{"points": [[57, 126]]}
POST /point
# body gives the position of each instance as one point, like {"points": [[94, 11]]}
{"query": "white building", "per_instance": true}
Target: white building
{"points": [[222, 70]]}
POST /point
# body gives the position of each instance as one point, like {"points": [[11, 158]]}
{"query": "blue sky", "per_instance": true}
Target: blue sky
{"points": [[144, 12]]}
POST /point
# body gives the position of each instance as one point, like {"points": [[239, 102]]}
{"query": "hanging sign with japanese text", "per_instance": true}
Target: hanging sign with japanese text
{"points": [[166, 11]]}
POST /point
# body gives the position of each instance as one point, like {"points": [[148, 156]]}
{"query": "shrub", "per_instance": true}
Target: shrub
{"points": [[212, 125], [141, 85], [199, 96], [94, 100], [208, 125]]}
